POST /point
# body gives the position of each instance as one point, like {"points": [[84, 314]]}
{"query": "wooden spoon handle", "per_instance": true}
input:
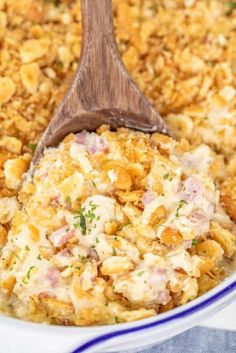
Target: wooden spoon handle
{"points": [[97, 22]]}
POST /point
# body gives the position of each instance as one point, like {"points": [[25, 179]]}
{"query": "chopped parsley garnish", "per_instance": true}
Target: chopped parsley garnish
{"points": [[32, 146], [205, 118], [231, 5], [113, 251], [29, 272], [68, 199], [97, 240], [82, 258], [26, 278], [140, 273], [90, 215], [54, 2], [86, 217], [81, 222], [168, 177], [59, 65], [117, 320], [27, 248], [94, 184], [194, 242], [181, 204], [39, 257]]}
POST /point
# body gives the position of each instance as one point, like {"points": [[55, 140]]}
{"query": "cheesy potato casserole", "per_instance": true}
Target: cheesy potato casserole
{"points": [[115, 227]]}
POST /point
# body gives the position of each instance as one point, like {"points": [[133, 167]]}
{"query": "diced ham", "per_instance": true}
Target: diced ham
{"points": [[161, 273], [92, 142], [199, 217], [192, 189], [147, 197], [61, 236], [97, 144], [81, 137], [163, 296], [65, 252], [53, 276], [93, 254], [54, 201], [187, 243]]}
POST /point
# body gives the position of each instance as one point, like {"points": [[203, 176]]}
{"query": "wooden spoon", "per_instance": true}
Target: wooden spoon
{"points": [[102, 91]]}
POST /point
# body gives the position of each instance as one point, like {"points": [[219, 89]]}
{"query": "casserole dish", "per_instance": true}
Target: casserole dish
{"points": [[29, 337]]}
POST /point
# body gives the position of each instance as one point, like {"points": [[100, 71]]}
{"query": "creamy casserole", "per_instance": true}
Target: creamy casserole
{"points": [[115, 227]]}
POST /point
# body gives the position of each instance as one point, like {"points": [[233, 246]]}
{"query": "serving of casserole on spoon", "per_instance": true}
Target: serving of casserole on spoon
{"points": [[118, 220]]}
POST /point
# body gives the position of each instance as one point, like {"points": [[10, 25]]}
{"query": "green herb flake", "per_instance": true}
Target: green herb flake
{"points": [[28, 274], [167, 176], [86, 217], [53, 2], [90, 215], [181, 204], [59, 65], [27, 248], [230, 4], [82, 258], [81, 222], [97, 240], [113, 252], [117, 320], [205, 118], [68, 199], [39, 257], [24, 280], [140, 273], [32, 146], [94, 184], [194, 242]]}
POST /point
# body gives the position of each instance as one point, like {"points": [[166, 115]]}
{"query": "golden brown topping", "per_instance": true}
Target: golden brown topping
{"points": [[171, 237], [228, 198], [226, 239]]}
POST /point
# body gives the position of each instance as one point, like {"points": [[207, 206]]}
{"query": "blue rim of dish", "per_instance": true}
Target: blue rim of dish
{"points": [[105, 337]]}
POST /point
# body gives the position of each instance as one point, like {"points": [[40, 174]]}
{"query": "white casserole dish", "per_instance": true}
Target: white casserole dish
{"points": [[25, 337]]}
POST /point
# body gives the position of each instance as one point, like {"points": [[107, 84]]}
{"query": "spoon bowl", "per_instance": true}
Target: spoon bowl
{"points": [[102, 91]]}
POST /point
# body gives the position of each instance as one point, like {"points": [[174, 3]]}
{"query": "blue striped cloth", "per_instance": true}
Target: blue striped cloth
{"points": [[197, 340]]}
